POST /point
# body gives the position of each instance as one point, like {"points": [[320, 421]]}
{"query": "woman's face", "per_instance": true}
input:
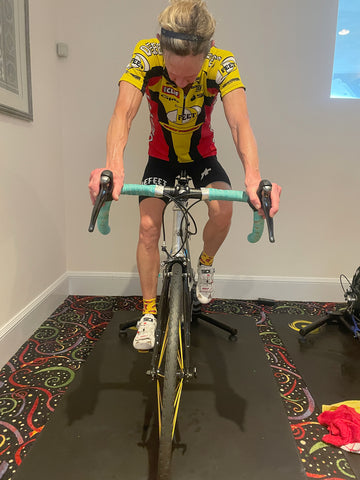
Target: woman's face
{"points": [[183, 70]]}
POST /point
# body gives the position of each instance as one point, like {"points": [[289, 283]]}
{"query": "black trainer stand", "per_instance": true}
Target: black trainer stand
{"points": [[125, 325], [198, 315], [333, 317]]}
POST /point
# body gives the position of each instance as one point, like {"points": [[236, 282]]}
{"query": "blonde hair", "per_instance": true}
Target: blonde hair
{"points": [[187, 27]]}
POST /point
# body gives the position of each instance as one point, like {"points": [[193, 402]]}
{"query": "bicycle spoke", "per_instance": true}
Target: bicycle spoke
{"points": [[164, 344], [177, 404], [158, 389], [160, 378], [180, 351], [179, 388]]}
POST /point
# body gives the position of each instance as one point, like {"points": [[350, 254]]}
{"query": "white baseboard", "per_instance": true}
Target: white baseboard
{"points": [[104, 283], [235, 286], [19, 328], [15, 332], [279, 288]]}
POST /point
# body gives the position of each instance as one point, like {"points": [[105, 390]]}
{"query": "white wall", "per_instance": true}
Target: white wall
{"points": [[307, 142], [32, 253]]}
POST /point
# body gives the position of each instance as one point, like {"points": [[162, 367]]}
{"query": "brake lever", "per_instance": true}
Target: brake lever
{"points": [[264, 194], [105, 195]]}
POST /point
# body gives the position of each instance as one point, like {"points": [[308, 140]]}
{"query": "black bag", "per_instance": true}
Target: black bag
{"points": [[355, 290]]}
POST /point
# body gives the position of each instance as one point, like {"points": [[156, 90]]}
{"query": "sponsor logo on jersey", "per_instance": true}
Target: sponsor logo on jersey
{"points": [[170, 91], [205, 173], [227, 66], [167, 98], [212, 58], [184, 116], [151, 48], [140, 62]]}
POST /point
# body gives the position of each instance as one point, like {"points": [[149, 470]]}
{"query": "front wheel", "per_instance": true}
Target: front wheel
{"points": [[171, 363]]}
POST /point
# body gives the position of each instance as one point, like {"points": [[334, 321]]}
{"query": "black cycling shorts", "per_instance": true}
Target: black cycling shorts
{"points": [[202, 172]]}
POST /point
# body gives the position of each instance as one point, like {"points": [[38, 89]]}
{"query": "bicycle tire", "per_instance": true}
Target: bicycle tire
{"points": [[170, 382]]}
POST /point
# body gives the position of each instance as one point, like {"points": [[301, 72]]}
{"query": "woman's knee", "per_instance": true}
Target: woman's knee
{"points": [[221, 214], [149, 231], [150, 222]]}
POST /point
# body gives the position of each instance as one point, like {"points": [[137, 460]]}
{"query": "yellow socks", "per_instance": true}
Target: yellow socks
{"points": [[149, 306], [206, 259]]}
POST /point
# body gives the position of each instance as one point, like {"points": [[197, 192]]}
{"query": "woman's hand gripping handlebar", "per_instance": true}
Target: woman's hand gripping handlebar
{"points": [[264, 194], [105, 195], [103, 201]]}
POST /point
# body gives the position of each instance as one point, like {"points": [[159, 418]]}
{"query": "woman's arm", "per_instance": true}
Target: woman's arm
{"points": [[126, 107], [237, 115]]}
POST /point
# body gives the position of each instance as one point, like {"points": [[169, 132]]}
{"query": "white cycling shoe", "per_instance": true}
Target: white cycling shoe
{"points": [[205, 284], [145, 336]]}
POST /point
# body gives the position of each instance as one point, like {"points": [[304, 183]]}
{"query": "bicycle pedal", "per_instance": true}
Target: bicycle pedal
{"points": [[143, 351]]}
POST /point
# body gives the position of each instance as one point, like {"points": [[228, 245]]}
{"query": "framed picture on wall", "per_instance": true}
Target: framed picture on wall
{"points": [[15, 75]]}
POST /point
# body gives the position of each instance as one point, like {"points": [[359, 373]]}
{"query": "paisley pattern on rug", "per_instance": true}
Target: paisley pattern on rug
{"points": [[37, 376]]}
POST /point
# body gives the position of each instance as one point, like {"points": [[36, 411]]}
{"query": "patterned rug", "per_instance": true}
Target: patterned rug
{"points": [[38, 375]]}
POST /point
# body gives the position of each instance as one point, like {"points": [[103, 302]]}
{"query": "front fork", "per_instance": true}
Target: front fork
{"points": [[156, 368]]}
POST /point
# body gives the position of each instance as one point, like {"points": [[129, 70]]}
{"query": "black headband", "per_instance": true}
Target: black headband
{"points": [[181, 36]]}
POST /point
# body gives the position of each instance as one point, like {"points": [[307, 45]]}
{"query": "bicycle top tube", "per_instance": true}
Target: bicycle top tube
{"points": [[102, 205]]}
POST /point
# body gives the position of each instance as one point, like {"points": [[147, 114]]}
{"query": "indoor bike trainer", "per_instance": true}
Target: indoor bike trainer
{"points": [[348, 317], [105, 197]]}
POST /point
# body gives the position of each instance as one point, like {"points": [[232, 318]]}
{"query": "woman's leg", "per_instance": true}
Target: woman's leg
{"points": [[148, 257], [214, 234], [218, 224], [148, 261]]}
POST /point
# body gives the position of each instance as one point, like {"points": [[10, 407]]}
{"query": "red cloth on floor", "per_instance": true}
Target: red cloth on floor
{"points": [[343, 425]]}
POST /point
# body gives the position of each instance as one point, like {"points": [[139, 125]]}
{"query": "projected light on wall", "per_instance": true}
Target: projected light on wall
{"points": [[346, 70]]}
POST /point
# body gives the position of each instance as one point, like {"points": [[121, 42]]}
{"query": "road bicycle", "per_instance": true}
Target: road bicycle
{"points": [[170, 365]]}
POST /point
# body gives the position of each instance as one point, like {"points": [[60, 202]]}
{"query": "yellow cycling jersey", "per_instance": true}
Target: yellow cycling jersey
{"points": [[181, 124]]}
